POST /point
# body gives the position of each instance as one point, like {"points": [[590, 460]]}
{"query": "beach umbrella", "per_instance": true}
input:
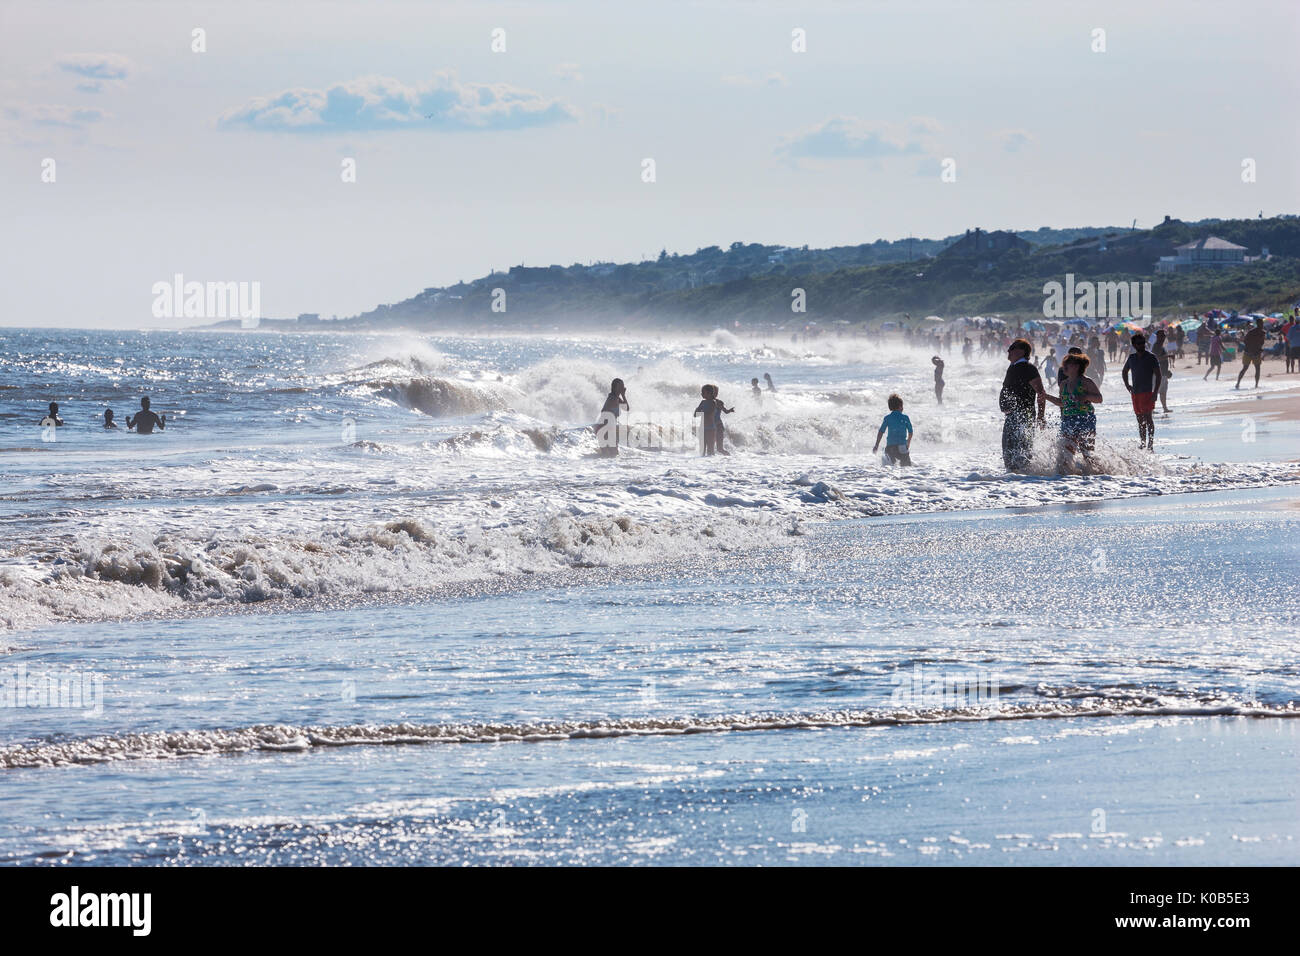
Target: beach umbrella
{"points": [[1033, 325], [933, 318], [1190, 324], [1237, 321], [1082, 322]]}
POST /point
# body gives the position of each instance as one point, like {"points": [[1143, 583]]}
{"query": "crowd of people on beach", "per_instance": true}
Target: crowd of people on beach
{"points": [[1073, 359]]}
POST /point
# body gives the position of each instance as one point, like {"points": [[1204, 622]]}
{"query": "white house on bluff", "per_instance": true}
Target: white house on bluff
{"points": [[1208, 252]]}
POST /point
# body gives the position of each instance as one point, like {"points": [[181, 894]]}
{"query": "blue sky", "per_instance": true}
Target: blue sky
{"points": [[225, 165]]}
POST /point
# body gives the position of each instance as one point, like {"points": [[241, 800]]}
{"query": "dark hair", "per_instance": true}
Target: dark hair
{"points": [[617, 385], [1073, 350], [1022, 344], [1080, 360], [1138, 339], [895, 402]]}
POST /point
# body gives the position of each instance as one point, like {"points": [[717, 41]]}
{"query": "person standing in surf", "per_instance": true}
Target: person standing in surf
{"points": [[1252, 351], [1078, 420], [707, 412], [1145, 372], [145, 421], [1022, 387], [719, 429], [607, 427], [938, 378], [1161, 351]]}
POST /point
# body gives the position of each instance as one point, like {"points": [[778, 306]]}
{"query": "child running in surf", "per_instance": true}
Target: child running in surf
{"points": [[899, 428]]}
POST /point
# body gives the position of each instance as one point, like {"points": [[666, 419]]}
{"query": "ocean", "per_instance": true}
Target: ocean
{"points": [[375, 598]]}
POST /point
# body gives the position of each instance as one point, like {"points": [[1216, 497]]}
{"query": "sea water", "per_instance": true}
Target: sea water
{"points": [[450, 633]]}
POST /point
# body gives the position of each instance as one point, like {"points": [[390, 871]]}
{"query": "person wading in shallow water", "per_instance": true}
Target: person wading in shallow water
{"points": [[1021, 389], [607, 427], [1145, 371], [144, 421], [1078, 420]]}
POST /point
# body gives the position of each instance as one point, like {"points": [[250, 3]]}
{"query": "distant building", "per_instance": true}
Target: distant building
{"points": [[977, 242], [1208, 252]]}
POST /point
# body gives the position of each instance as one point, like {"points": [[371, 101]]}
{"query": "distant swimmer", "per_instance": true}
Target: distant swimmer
{"points": [[108, 419], [609, 412], [938, 378], [1145, 369], [145, 421], [767, 377], [897, 431], [53, 417], [758, 392]]}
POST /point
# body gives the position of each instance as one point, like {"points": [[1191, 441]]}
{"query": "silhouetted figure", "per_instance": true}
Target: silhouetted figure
{"points": [[53, 417], [108, 419], [767, 377], [145, 421], [616, 399]]}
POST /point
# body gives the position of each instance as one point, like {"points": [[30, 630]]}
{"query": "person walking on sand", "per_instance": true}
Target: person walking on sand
{"points": [[1078, 419], [1252, 352], [1203, 336], [1022, 387], [897, 431], [1145, 372], [705, 411], [607, 427], [1215, 353], [1293, 346], [938, 378]]}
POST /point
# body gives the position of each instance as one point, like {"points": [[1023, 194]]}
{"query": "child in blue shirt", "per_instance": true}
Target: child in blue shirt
{"points": [[899, 429]]}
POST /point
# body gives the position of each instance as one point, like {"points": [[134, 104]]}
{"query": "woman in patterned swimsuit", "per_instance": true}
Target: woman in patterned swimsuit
{"points": [[1078, 420]]}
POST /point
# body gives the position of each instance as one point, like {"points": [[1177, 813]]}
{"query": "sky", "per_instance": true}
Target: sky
{"points": [[228, 164]]}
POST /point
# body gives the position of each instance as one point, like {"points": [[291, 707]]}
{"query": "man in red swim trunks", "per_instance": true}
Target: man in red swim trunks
{"points": [[1145, 371]]}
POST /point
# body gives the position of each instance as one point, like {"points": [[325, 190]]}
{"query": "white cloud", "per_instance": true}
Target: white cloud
{"points": [[570, 72], [66, 117], [96, 69], [847, 137], [371, 103], [1013, 139], [773, 78]]}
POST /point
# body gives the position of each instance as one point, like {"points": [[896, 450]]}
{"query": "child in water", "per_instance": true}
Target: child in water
{"points": [[709, 423], [719, 429], [899, 428]]}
